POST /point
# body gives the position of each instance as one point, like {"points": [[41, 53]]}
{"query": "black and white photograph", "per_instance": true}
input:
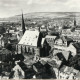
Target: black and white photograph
{"points": [[40, 39]]}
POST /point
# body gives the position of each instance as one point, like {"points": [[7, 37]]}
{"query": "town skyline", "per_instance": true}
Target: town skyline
{"points": [[40, 46]]}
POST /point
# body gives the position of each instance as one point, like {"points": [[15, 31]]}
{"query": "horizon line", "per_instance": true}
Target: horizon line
{"points": [[43, 12]]}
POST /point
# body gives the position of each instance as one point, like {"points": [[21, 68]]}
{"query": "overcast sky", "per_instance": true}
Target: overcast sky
{"points": [[13, 7]]}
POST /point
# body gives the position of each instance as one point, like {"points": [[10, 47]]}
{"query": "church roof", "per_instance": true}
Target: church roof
{"points": [[30, 38], [76, 45]]}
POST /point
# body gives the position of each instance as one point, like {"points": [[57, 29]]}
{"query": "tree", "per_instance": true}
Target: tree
{"points": [[75, 62], [2, 30], [9, 47]]}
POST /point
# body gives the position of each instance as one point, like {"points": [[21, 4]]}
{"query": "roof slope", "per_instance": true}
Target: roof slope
{"points": [[66, 54], [76, 45], [30, 38]]}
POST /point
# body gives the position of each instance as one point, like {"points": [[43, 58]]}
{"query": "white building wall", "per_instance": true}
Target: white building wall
{"points": [[61, 47], [72, 49]]}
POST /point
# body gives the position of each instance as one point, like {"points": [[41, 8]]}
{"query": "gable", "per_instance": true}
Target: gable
{"points": [[66, 54]]}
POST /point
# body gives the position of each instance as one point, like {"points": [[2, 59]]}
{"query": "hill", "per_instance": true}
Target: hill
{"points": [[41, 15]]}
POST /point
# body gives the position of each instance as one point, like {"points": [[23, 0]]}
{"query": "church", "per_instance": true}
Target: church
{"points": [[30, 42]]}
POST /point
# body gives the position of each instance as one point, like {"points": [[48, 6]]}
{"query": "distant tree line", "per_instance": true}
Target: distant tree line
{"points": [[75, 62], [2, 30]]}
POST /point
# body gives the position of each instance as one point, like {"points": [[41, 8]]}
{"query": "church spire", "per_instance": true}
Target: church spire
{"points": [[74, 21], [23, 24]]}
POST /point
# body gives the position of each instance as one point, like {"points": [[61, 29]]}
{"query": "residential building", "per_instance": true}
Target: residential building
{"points": [[74, 48], [2, 42], [77, 29], [50, 39], [22, 72], [43, 71], [66, 32], [67, 73], [4, 53], [55, 62], [63, 41], [63, 56]]}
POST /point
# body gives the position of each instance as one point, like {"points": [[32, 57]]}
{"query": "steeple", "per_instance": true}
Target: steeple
{"points": [[74, 21], [23, 24]]}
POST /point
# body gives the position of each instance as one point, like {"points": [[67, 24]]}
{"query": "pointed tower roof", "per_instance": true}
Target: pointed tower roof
{"points": [[23, 24], [74, 21]]}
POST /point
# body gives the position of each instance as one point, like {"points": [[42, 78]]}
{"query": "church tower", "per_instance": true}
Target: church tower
{"points": [[74, 21], [23, 24]]}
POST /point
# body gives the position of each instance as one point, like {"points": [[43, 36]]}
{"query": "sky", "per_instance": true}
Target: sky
{"points": [[10, 8]]}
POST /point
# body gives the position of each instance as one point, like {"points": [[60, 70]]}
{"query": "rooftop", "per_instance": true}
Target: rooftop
{"points": [[66, 54], [30, 38], [23, 66], [65, 38], [69, 70], [76, 45]]}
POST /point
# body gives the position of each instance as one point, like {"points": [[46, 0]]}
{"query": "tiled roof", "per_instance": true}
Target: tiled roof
{"points": [[55, 63], [66, 54], [5, 51], [63, 68], [43, 62], [76, 45], [69, 70], [65, 38], [38, 65], [23, 66], [30, 38]]}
